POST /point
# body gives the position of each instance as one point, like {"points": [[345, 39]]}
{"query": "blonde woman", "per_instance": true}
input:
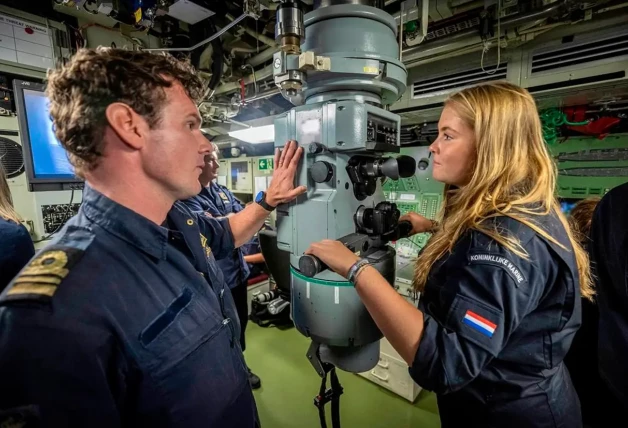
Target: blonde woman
{"points": [[16, 245], [501, 278]]}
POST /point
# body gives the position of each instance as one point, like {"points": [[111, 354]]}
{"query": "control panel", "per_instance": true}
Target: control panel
{"points": [[420, 194], [55, 216], [380, 130]]}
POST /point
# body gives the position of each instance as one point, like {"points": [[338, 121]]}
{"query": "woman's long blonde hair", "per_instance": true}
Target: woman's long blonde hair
{"points": [[513, 175], [7, 211]]}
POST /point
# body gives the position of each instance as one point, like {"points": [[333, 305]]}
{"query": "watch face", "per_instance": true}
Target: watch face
{"points": [[259, 197]]}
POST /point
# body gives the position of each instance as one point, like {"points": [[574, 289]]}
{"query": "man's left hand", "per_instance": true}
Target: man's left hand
{"points": [[281, 189]]}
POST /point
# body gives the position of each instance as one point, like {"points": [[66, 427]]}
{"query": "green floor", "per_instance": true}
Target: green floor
{"points": [[289, 384]]}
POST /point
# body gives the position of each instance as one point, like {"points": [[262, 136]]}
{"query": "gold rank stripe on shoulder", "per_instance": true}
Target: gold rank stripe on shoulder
{"points": [[45, 279], [207, 249], [41, 277], [28, 288]]}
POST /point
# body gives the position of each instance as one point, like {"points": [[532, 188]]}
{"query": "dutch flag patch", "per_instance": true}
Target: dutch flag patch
{"points": [[479, 323]]}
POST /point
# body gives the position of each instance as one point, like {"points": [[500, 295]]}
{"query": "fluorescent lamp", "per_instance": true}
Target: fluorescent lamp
{"points": [[259, 134]]}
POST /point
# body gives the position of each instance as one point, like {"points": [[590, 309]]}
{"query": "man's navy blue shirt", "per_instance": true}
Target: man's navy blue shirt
{"points": [[122, 322], [218, 201]]}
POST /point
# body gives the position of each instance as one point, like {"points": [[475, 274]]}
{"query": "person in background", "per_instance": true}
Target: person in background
{"points": [[217, 201], [253, 256], [609, 261], [253, 253], [581, 359], [16, 245], [501, 278]]}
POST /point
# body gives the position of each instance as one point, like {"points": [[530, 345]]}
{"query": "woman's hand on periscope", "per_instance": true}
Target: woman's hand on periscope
{"points": [[334, 254], [419, 223]]}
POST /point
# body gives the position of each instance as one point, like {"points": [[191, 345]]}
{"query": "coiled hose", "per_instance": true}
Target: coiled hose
{"points": [[551, 120]]}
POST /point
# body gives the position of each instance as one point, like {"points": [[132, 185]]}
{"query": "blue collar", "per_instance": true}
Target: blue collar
{"points": [[214, 187], [125, 223], [206, 191]]}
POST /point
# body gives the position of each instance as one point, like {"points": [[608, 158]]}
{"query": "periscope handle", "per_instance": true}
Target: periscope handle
{"points": [[311, 266]]}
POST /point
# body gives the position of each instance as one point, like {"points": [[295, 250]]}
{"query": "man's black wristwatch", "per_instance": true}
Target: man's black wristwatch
{"points": [[261, 199]]}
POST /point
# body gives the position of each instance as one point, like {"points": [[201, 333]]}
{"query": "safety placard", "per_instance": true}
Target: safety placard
{"points": [[25, 43], [265, 164]]}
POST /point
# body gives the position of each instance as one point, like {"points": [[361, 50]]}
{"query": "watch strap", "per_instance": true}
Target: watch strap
{"points": [[265, 204], [357, 266]]}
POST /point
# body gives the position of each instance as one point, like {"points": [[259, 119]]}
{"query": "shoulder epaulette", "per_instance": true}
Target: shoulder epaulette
{"points": [[43, 274]]}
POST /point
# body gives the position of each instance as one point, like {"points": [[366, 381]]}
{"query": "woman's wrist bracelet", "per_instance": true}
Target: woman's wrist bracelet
{"points": [[357, 274], [351, 275]]}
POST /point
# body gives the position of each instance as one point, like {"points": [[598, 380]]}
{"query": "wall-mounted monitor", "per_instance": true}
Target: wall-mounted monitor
{"points": [[45, 160]]}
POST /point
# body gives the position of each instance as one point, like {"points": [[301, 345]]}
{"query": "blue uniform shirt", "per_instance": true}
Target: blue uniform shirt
{"points": [[497, 327], [16, 249], [218, 201], [122, 322]]}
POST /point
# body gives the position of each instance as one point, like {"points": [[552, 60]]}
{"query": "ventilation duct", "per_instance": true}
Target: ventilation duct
{"points": [[603, 49], [578, 68], [452, 82]]}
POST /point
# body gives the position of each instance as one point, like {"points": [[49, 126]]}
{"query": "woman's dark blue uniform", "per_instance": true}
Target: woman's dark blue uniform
{"points": [[16, 249], [497, 327], [120, 321]]}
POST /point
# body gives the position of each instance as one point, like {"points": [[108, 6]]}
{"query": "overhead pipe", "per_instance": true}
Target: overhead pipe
{"points": [[441, 45], [266, 40], [262, 57], [326, 3], [263, 95], [520, 19], [217, 60], [401, 34], [234, 22], [260, 75], [466, 7], [254, 77], [242, 50]]}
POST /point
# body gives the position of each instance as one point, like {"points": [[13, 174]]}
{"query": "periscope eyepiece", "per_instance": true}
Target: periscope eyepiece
{"points": [[396, 168], [365, 170]]}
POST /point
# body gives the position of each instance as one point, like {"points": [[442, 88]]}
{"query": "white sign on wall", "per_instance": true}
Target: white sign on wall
{"points": [[25, 43]]}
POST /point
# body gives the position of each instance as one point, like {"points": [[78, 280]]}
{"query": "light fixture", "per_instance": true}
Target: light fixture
{"points": [[259, 134]]}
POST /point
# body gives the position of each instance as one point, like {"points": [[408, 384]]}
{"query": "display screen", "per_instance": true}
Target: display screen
{"points": [[567, 205], [50, 160]]}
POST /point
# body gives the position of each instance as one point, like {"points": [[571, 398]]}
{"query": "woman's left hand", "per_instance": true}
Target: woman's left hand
{"points": [[334, 254]]}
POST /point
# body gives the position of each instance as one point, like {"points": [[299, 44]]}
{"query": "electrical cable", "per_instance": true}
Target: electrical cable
{"points": [[254, 79], [226, 28], [487, 44], [551, 120]]}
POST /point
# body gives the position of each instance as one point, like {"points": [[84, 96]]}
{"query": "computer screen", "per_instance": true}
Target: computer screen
{"points": [[45, 160], [50, 160], [566, 205]]}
